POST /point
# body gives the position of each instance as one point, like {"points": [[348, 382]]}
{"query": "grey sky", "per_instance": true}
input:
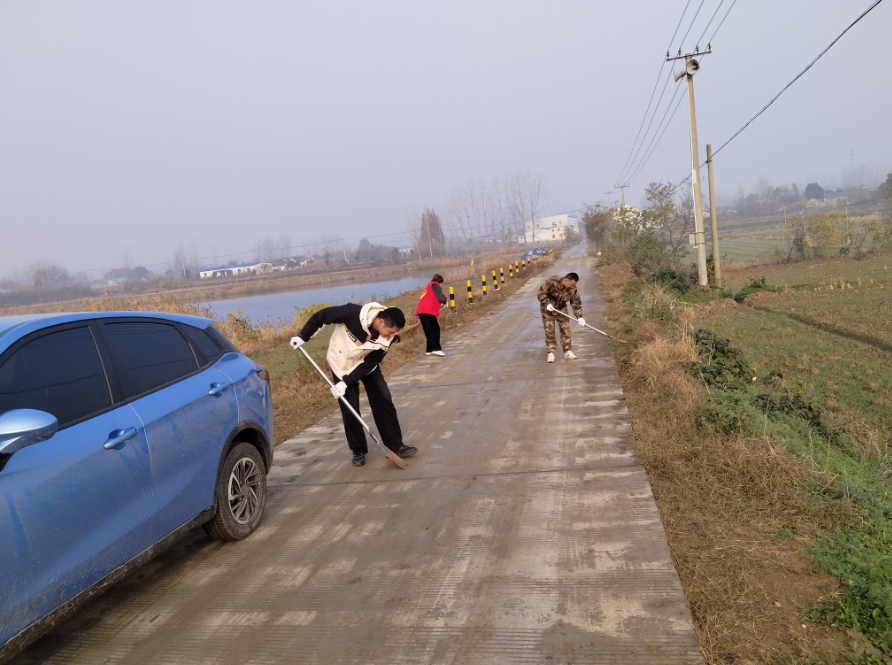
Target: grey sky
{"points": [[134, 126]]}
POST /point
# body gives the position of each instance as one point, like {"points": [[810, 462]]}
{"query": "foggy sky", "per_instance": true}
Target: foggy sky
{"points": [[129, 127]]}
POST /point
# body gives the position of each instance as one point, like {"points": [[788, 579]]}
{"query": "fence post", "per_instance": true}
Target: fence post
{"points": [[502, 274], [452, 298], [470, 294], [495, 281], [483, 279]]}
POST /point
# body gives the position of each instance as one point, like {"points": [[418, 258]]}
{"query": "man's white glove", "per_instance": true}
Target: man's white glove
{"points": [[549, 307], [581, 321], [339, 389], [297, 342]]}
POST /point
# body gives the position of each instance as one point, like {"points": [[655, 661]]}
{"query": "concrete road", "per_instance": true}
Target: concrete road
{"points": [[523, 532]]}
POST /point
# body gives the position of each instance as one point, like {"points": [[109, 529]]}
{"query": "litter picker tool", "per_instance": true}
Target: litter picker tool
{"points": [[392, 456], [572, 318]]}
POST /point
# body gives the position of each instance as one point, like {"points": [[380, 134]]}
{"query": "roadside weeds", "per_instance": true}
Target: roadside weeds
{"points": [[746, 512]]}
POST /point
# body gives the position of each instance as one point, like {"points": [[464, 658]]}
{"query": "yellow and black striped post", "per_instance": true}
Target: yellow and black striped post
{"points": [[470, 294], [452, 298], [523, 264], [483, 279], [502, 274], [510, 270], [495, 281], [515, 267]]}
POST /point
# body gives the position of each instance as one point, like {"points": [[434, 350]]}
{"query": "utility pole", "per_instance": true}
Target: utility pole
{"points": [[608, 197], [622, 189], [699, 239], [713, 213]]}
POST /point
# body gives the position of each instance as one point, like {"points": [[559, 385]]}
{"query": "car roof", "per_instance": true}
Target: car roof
{"points": [[26, 323]]}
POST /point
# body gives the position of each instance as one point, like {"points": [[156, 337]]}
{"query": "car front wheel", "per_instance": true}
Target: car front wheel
{"points": [[240, 495]]}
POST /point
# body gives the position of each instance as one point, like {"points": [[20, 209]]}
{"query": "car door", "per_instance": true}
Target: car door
{"points": [[188, 412], [79, 505]]}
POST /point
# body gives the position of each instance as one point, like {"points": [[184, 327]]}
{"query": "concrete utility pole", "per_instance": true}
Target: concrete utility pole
{"points": [[622, 189], [608, 197], [699, 238], [713, 213]]}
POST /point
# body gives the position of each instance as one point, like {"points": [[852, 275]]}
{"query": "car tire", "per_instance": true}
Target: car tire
{"points": [[240, 494]]}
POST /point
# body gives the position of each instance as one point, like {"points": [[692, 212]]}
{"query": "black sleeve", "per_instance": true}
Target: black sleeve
{"points": [[369, 363], [347, 314], [438, 293]]}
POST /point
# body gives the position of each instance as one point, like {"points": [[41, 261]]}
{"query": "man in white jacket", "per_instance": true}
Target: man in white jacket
{"points": [[361, 338]]}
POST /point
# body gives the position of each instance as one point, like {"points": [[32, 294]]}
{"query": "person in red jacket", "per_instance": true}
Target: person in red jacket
{"points": [[428, 310]]}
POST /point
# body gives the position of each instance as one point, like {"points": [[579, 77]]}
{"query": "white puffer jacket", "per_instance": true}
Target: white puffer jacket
{"points": [[352, 353]]}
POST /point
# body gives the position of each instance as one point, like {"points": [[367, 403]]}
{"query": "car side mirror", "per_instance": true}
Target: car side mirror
{"points": [[21, 428]]}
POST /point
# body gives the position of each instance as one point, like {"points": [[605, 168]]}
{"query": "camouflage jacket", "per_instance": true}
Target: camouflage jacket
{"points": [[554, 292]]}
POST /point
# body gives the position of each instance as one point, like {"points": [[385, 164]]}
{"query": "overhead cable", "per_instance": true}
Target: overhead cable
{"points": [[784, 89], [656, 83]]}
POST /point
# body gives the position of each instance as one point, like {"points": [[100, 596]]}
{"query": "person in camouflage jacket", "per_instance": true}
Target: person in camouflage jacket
{"points": [[557, 291]]}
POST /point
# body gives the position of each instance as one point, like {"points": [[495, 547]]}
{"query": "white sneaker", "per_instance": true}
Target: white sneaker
{"points": [[438, 353], [550, 358], [427, 353], [569, 355]]}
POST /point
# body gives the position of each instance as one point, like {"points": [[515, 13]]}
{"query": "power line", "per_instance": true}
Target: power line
{"points": [[723, 21], [710, 23], [692, 23], [784, 89], [649, 124], [647, 158], [650, 101]]}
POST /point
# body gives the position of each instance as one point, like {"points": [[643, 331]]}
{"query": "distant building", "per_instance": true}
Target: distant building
{"points": [[406, 251], [543, 229], [238, 269]]}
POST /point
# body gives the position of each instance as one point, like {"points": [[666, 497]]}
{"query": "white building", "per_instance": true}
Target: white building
{"points": [[238, 269], [544, 229]]}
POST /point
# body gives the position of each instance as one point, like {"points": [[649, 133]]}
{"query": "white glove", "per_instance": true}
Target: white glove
{"points": [[581, 321], [549, 307], [297, 342], [339, 389]]}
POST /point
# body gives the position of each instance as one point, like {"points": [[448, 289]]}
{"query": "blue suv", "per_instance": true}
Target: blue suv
{"points": [[119, 432]]}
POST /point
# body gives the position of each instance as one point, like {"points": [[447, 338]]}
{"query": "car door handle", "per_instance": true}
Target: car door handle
{"points": [[119, 436], [217, 388]]}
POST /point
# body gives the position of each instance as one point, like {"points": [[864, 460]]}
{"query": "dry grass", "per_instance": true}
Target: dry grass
{"points": [[152, 303], [737, 511]]}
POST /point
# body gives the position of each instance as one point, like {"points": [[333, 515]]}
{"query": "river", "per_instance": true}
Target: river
{"points": [[274, 307]]}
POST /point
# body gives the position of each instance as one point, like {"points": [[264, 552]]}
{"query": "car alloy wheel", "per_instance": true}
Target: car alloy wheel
{"points": [[240, 494], [244, 485]]}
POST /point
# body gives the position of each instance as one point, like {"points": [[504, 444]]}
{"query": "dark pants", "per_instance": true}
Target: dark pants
{"points": [[383, 411], [431, 328]]}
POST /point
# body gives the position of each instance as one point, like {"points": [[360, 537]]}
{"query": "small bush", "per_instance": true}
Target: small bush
{"points": [[720, 364], [753, 286]]}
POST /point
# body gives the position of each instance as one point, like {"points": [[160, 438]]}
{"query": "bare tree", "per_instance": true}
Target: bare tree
{"points": [[179, 262], [264, 249], [283, 245], [526, 197], [45, 276], [412, 217]]}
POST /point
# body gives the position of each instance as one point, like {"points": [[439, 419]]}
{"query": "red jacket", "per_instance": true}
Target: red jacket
{"points": [[430, 301]]}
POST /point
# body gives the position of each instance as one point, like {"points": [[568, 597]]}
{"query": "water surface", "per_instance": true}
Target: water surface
{"points": [[273, 307]]}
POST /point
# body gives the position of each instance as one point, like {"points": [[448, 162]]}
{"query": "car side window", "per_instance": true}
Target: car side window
{"points": [[203, 343], [59, 373], [151, 354]]}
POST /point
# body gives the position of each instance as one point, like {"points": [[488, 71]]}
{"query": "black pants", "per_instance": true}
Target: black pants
{"points": [[431, 328], [383, 411]]}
